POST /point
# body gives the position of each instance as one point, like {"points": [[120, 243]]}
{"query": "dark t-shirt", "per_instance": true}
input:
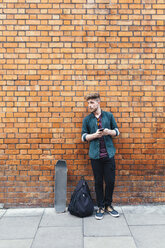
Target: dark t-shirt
{"points": [[103, 151]]}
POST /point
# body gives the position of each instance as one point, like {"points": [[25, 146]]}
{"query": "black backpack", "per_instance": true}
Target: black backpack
{"points": [[81, 203]]}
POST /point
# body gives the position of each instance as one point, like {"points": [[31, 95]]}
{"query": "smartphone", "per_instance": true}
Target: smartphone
{"points": [[101, 129]]}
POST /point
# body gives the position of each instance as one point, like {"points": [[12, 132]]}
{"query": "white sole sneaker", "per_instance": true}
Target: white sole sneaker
{"points": [[98, 218], [114, 215]]}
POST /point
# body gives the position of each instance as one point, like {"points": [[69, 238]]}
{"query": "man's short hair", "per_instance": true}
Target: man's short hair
{"points": [[92, 96]]}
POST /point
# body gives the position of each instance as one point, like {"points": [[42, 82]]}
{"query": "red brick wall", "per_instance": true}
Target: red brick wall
{"points": [[53, 52]]}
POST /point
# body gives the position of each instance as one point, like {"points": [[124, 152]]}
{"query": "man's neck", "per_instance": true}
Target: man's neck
{"points": [[97, 113]]}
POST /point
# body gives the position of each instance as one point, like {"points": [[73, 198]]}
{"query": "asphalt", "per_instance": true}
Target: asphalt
{"points": [[137, 227]]}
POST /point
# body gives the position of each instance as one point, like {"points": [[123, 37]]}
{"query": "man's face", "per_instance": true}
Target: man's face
{"points": [[93, 105]]}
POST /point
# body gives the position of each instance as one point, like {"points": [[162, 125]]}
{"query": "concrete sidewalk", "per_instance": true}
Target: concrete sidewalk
{"points": [[137, 227]]}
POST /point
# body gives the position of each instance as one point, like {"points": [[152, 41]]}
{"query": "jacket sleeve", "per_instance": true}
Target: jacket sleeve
{"points": [[114, 125], [85, 130]]}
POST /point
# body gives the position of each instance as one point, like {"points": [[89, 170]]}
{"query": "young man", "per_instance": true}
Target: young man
{"points": [[98, 129]]}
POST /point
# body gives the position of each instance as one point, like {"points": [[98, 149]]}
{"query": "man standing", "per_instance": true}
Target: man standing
{"points": [[98, 129]]}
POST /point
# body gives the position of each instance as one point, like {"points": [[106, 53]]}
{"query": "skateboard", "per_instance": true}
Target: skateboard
{"points": [[60, 186]]}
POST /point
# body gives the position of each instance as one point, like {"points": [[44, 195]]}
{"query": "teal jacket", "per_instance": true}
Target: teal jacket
{"points": [[90, 126]]}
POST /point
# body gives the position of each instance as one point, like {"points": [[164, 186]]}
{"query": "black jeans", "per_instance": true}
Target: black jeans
{"points": [[104, 170]]}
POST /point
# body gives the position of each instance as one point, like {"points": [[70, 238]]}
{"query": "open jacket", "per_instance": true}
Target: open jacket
{"points": [[90, 126]]}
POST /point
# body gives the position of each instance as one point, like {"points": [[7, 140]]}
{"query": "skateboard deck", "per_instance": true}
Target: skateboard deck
{"points": [[60, 186]]}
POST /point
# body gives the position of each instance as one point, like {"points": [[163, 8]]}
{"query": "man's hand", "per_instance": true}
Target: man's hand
{"points": [[99, 133], [107, 131], [93, 136]]}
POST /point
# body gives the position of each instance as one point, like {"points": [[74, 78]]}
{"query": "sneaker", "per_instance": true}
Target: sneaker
{"points": [[99, 214], [110, 210]]}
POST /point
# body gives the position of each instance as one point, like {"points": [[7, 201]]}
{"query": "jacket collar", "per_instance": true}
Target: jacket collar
{"points": [[95, 116]]}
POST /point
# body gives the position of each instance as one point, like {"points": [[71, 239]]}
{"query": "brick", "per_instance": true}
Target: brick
{"points": [[53, 53], [158, 17]]}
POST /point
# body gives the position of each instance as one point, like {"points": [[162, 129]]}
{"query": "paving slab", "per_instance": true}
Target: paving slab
{"points": [[107, 242], [24, 212], [145, 208], [18, 227], [52, 218], [2, 212], [58, 237], [145, 215], [19, 243], [149, 236], [108, 226]]}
